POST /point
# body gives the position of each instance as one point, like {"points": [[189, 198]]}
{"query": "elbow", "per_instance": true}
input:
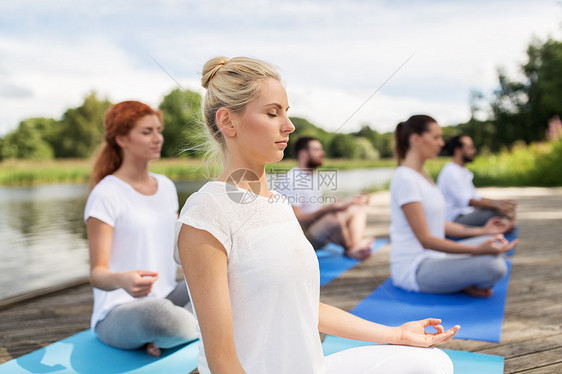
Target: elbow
{"points": [[99, 278], [94, 279], [426, 241]]}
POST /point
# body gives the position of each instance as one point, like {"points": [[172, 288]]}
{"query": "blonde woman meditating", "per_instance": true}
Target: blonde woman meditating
{"points": [[252, 275]]}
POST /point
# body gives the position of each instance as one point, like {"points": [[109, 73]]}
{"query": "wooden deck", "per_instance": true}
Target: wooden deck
{"points": [[531, 340]]}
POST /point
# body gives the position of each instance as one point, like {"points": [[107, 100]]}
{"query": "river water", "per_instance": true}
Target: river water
{"points": [[43, 237]]}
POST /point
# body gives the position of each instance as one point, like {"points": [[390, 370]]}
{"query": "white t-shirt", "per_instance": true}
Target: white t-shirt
{"points": [[456, 185], [143, 236], [407, 252], [302, 189], [273, 280]]}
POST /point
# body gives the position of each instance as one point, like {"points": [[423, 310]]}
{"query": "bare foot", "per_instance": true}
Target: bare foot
{"points": [[153, 350], [361, 251], [478, 292]]}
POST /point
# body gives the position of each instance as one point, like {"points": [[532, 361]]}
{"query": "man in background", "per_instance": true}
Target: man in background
{"points": [[463, 202], [340, 222]]}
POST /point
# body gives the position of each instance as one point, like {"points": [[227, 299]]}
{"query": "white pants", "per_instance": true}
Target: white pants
{"points": [[389, 359]]}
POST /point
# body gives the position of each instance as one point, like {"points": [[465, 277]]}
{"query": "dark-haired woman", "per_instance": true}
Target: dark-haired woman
{"points": [[130, 217], [421, 258]]}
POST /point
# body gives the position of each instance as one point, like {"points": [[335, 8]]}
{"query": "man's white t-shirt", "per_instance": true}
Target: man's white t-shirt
{"points": [[302, 189], [273, 279], [407, 252], [456, 184], [143, 236]]}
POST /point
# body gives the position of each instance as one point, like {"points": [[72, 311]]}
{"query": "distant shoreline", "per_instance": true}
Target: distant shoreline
{"points": [[20, 173]]}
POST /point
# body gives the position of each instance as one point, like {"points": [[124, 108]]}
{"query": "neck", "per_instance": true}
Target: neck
{"points": [[302, 164], [413, 160], [458, 160], [133, 171], [235, 162]]}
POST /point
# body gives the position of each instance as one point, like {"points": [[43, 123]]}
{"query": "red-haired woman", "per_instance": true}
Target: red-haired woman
{"points": [[130, 217]]}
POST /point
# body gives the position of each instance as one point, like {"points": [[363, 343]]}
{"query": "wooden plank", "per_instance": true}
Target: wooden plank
{"points": [[534, 360], [547, 369], [522, 348]]}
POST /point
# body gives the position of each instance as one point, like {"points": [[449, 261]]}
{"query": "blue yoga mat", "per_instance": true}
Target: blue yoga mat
{"points": [[480, 318], [334, 263], [464, 362], [84, 353]]}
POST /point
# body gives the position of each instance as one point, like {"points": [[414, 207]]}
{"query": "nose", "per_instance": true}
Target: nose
{"points": [[288, 126], [159, 138]]}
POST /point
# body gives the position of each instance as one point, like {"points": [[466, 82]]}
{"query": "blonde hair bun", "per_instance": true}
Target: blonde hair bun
{"points": [[211, 68]]}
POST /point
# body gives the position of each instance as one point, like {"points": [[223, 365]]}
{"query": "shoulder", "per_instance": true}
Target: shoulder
{"points": [[404, 173], [453, 168], [107, 187], [291, 173], [105, 200], [164, 180], [405, 181], [212, 195], [450, 173]]}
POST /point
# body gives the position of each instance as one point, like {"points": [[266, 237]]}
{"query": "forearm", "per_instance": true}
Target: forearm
{"points": [[462, 231], [224, 361], [484, 203], [445, 245], [337, 322], [416, 218], [103, 279]]}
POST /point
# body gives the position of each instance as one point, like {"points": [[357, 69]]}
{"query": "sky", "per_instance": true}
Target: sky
{"points": [[345, 63]]}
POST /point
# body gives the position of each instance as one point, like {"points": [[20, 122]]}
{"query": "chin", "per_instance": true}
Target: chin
{"points": [[279, 158]]}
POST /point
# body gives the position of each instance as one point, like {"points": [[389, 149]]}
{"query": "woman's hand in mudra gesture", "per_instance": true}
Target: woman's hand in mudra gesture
{"points": [[413, 333]]}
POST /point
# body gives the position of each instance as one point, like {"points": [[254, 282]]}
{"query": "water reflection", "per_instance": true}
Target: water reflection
{"points": [[43, 237]]}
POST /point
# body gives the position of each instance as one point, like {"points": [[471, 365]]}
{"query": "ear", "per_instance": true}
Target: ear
{"points": [[121, 140], [414, 139], [224, 118]]}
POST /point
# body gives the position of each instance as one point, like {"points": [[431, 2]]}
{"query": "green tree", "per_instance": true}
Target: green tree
{"points": [[183, 124], [81, 129], [521, 109], [544, 74], [26, 143], [382, 142], [481, 132], [343, 146], [365, 149], [304, 127]]}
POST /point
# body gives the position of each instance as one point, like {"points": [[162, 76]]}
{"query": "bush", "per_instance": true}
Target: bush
{"points": [[537, 164]]}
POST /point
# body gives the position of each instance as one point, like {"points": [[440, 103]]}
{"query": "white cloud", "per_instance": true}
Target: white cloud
{"points": [[332, 54], [334, 109], [58, 76]]}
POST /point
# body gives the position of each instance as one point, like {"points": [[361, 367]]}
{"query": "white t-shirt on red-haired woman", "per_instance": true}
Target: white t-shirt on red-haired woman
{"points": [[143, 236]]}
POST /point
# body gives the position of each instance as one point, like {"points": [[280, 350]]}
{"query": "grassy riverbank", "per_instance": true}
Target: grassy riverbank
{"points": [[537, 164], [24, 173]]}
